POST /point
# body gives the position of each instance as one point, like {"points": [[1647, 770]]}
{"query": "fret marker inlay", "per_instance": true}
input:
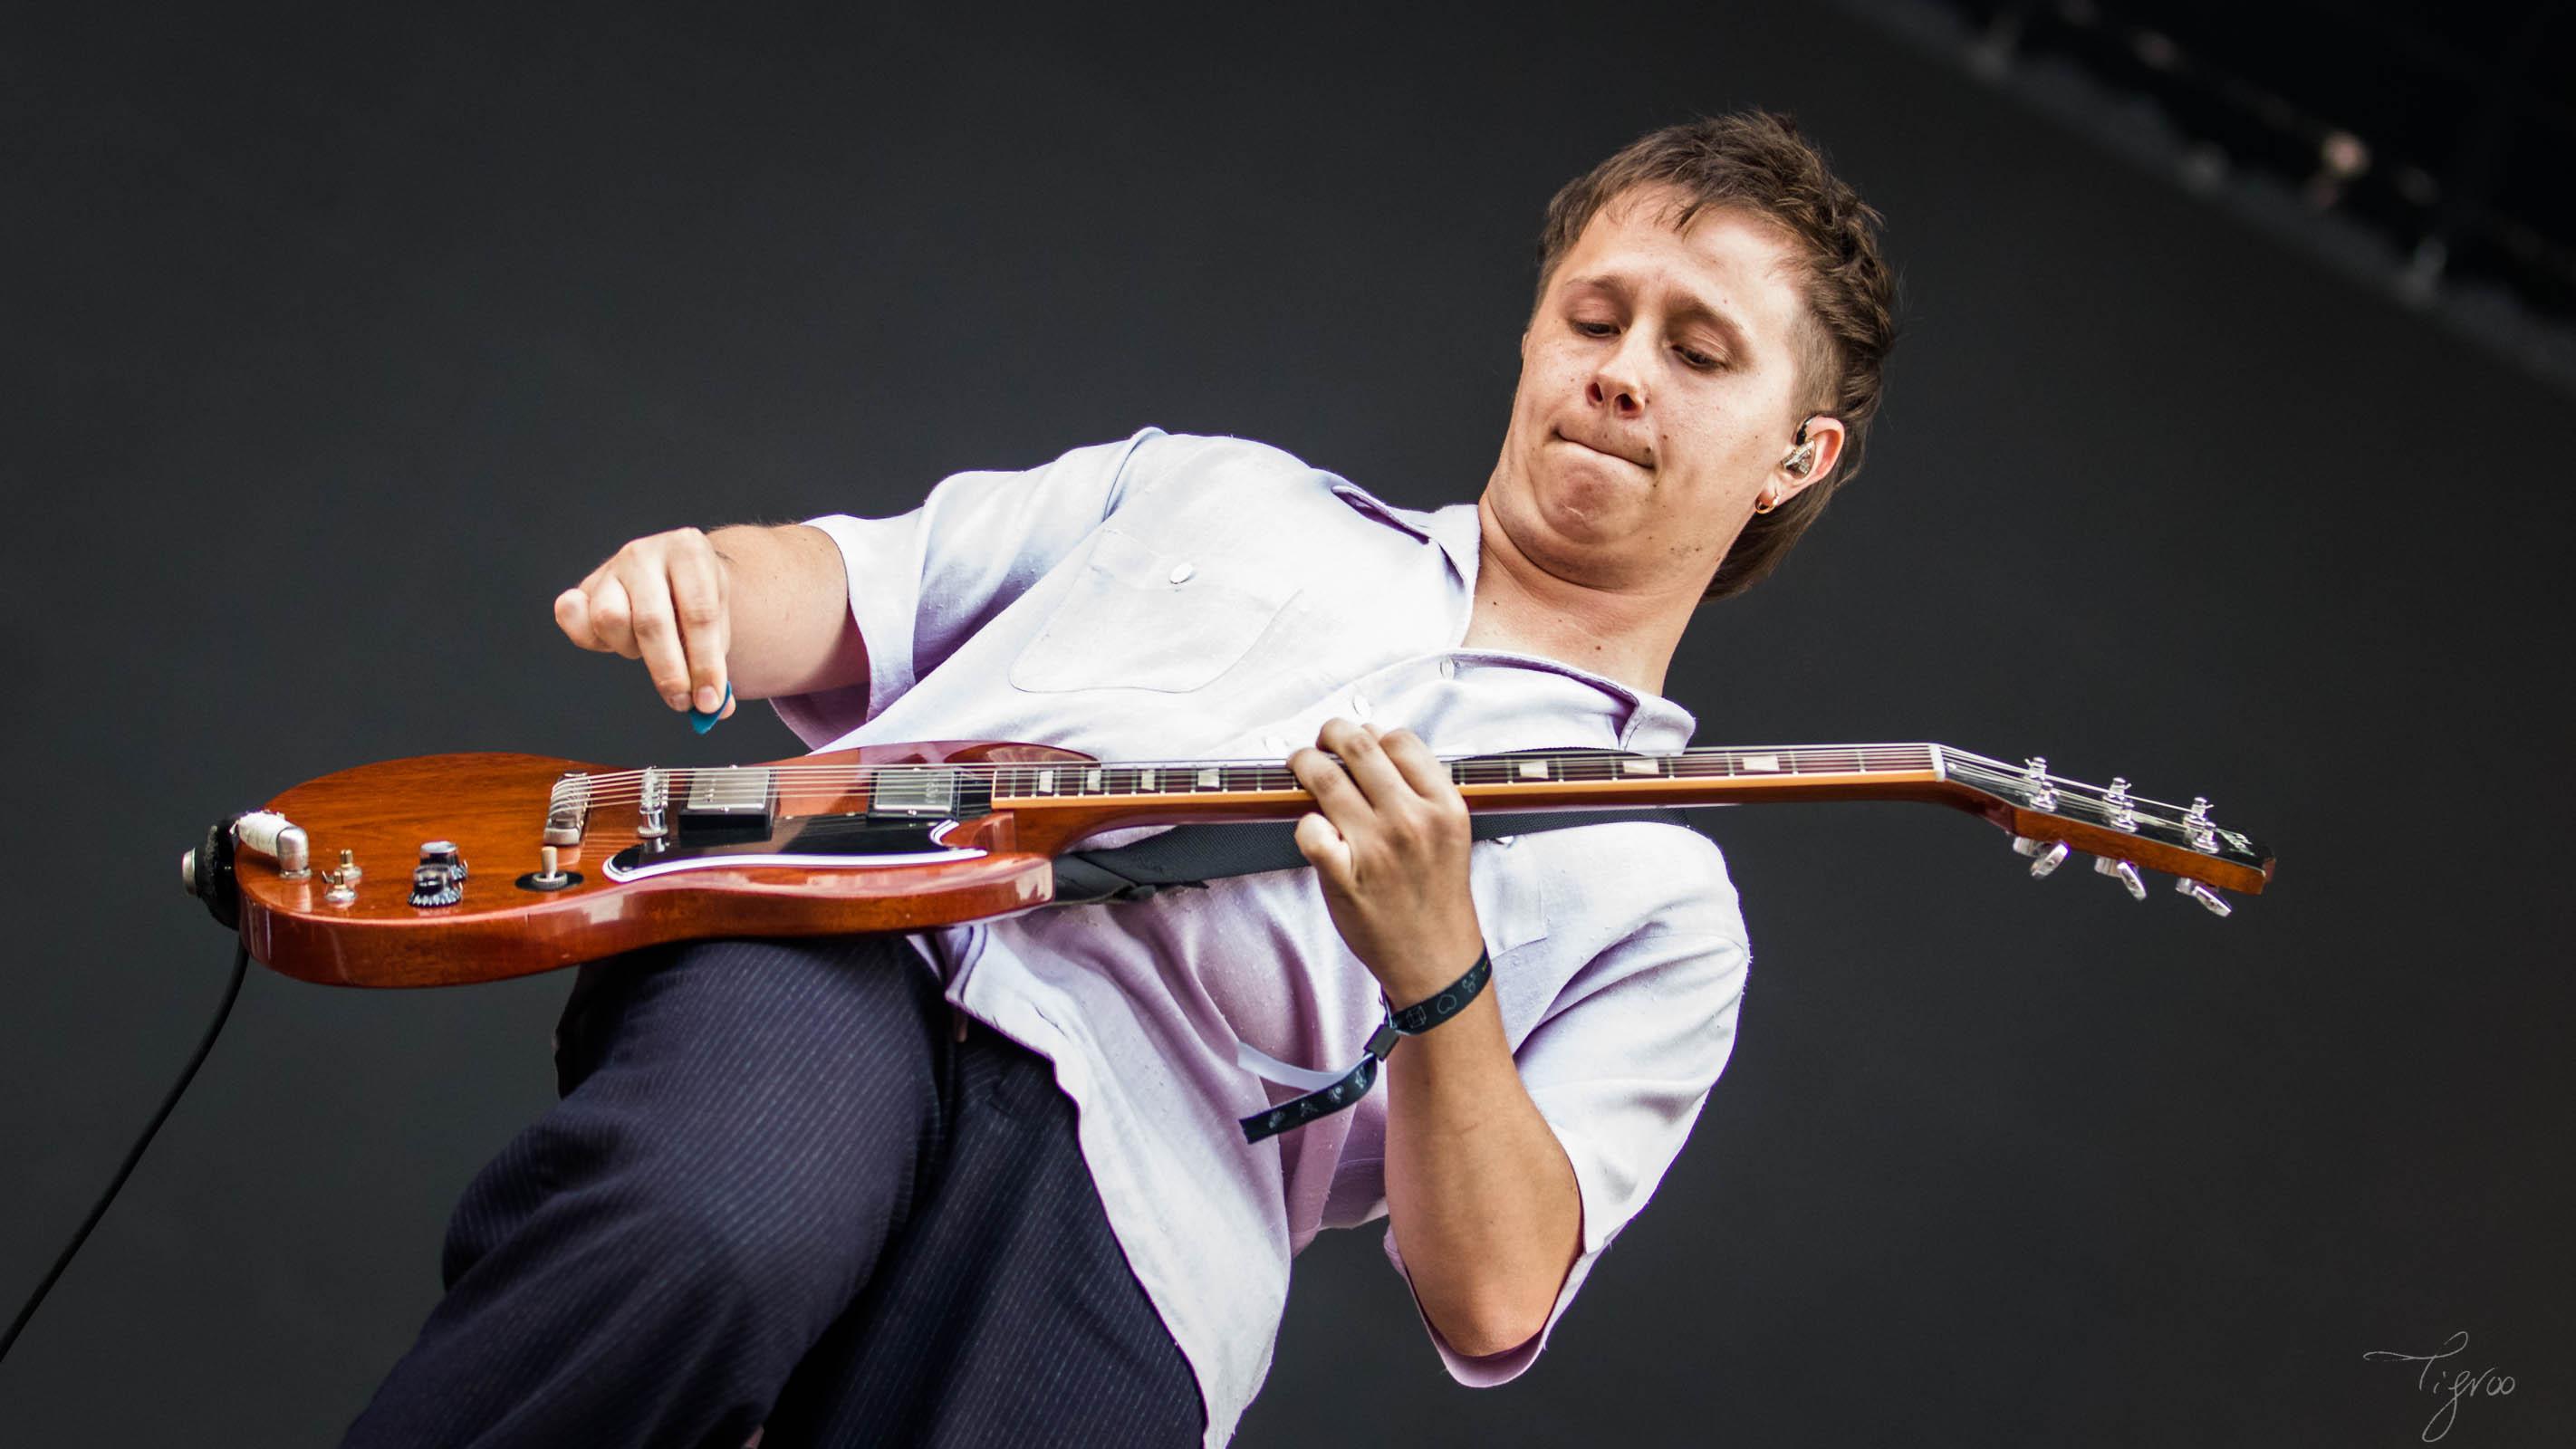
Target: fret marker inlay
{"points": [[1766, 764]]}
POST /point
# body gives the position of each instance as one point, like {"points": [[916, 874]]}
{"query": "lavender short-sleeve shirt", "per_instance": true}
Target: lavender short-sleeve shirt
{"points": [[1176, 597]]}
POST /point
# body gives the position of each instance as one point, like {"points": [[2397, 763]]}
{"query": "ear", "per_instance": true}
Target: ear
{"points": [[1826, 435]]}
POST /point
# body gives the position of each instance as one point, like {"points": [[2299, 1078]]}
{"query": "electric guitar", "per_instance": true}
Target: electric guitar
{"points": [[444, 869]]}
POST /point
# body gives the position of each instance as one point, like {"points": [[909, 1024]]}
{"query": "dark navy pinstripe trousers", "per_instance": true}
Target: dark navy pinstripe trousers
{"points": [[779, 1193]]}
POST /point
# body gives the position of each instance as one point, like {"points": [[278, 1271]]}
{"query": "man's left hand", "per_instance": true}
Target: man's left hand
{"points": [[1391, 844]]}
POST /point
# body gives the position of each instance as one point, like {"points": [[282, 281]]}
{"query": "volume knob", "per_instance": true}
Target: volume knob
{"points": [[443, 853], [435, 884]]}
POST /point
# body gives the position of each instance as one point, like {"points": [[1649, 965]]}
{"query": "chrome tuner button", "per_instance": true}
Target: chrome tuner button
{"points": [[2125, 873], [2045, 855], [2204, 834], [2120, 812], [2034, 783], [188, 871], [2217, 904]]}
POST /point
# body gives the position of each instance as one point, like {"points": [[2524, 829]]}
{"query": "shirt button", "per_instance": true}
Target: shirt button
{"points": [[1181, 573], [1448, 668], [1360, 708]]}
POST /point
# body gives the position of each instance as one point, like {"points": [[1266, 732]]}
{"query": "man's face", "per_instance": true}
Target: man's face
{"points": [[1656, 398]]}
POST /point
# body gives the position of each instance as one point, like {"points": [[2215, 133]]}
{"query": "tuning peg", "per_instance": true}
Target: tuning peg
{"points": [[2045, 855], [2125, 873], [2218, 906]]}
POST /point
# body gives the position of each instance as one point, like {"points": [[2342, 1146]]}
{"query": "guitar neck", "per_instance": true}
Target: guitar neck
{"points": [[2047, 814], [1175, 791]]}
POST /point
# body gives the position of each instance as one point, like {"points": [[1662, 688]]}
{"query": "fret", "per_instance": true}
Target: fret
{"points": [[1569, 767]]}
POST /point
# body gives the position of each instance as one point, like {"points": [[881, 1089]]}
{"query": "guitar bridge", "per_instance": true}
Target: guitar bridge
{"points": [[568, 809]]}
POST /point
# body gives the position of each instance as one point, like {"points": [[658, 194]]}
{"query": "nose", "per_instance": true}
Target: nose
{"points": [[1619, 383]]}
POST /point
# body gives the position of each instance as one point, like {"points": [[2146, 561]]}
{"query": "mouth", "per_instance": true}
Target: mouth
{"points": [[1560, 435]]}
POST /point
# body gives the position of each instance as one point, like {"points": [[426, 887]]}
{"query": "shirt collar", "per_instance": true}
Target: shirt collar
{"points": [[1454, 528], [1644, 722]]}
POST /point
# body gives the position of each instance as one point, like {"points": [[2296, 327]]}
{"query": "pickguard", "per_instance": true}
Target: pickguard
{"points": [[811, 841]]}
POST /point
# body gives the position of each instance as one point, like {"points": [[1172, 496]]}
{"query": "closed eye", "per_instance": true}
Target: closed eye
{"points": [[1697, 359]]}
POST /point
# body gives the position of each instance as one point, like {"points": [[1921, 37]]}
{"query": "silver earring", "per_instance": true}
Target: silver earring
{"points": [[1800, 461]]}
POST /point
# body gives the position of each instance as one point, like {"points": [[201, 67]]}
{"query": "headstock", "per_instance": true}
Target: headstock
{"points": [[2051, 817]]}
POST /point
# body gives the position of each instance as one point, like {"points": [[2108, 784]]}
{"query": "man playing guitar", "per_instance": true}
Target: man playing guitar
{"points": [[986, 1184]]}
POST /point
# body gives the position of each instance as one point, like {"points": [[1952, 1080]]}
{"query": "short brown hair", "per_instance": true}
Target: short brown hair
{"points": [[1757, 162]]}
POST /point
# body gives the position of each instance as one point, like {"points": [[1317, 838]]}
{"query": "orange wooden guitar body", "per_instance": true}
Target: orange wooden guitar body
{"points": [[492, 807]]}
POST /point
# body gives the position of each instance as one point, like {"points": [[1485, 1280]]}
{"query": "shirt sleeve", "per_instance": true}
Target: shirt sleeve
{"points": [[1620, 1074], [921, 584]]}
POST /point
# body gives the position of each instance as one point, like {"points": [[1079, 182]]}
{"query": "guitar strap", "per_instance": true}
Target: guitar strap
{"points": [[1193, 855]]}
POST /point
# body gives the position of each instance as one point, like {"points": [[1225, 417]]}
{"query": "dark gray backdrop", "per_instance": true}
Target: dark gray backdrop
{"points": [[337, 347]]}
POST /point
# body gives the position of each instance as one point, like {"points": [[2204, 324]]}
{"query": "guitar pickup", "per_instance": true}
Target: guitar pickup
{"points": [[927, 793], [733, 800]]}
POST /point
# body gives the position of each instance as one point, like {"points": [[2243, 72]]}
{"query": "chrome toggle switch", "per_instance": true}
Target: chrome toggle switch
{"points": [[2045, 855], [2218, 906], [549, 874], [2125, 873]]}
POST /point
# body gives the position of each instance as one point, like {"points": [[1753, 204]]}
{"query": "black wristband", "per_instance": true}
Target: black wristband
{"points": [[1414, 1020], [1421, 1016]]}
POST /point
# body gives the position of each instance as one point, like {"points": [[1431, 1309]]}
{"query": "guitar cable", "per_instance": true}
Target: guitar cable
{"points": [[241, 967]]}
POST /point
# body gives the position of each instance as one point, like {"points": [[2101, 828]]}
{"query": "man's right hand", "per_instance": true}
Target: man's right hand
{"points": [[663, 599]]}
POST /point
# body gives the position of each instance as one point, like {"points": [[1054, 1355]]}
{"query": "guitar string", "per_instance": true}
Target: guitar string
{"points": [[623, 786], [1804, 760], [628, 785], [1129, 779], [1689, 766], [1510, 767], [2144, 811]]}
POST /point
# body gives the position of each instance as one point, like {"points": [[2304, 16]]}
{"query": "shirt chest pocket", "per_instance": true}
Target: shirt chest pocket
{"points": [[1141, 617]]}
